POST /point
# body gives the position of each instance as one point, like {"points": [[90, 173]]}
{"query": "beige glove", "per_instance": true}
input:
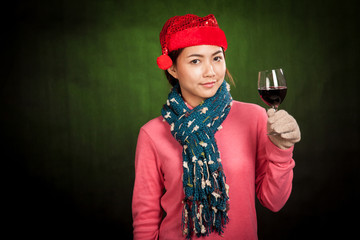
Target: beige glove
{"points": [[283, 129]]}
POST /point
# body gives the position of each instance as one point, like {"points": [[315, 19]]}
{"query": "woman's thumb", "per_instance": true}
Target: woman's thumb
{"points": [[271, 112]]}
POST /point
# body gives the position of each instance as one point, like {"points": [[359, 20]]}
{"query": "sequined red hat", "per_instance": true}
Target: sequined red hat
{"points": [[186, 31]]}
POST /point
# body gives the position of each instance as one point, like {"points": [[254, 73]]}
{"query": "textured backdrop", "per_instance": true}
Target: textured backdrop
{"points": [[80, 78]]}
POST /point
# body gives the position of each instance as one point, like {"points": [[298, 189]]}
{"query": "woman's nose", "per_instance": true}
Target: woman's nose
{"points": [[209, 70]]}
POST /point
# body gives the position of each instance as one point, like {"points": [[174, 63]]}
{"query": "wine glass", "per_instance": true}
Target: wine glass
{"points": [[272, 89]]}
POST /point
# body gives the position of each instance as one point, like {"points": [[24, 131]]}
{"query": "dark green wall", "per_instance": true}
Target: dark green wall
{"points": [[81, 78]]}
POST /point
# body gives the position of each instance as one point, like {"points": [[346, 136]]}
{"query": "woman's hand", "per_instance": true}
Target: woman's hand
{"points": [[284, 127]]}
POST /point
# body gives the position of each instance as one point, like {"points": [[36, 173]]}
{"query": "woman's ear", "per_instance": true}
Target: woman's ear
{"points": [[172, 71]]}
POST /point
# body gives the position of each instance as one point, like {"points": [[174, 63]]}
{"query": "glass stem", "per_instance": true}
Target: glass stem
{"points": [[275, 107]]}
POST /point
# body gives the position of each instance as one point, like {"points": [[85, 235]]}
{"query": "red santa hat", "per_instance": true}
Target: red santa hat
{"points": [[186, 31]]}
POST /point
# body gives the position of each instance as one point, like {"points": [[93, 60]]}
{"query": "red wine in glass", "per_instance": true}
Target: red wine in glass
{"points": [[273, 96], [272, 87]]}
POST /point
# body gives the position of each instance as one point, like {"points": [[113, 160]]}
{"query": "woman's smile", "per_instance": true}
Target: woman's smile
{"points": [[208, 84]]}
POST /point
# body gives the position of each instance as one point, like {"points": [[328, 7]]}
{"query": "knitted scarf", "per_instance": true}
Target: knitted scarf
{"points": [[205, 204]]}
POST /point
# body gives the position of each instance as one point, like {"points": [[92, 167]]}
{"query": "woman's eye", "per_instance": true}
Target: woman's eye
{"points": [[217, 59], [195, 61]]}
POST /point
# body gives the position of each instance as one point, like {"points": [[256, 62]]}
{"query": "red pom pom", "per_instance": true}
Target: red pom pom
{"points": [[164, 62]]}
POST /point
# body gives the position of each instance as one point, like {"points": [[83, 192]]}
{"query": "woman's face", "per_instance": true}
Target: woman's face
{"points": [[200, 71]]}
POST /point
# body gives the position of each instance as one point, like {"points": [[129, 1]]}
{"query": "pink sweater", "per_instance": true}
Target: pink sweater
{"points": [[252, 165]]}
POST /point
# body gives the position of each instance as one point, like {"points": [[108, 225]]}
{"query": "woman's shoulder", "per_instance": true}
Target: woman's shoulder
{"points": [[155, 125], [157, 131], [249, 113], [244, 107]]}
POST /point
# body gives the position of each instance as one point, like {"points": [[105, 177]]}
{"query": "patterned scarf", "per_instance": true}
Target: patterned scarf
{"points": [[206, 193]]}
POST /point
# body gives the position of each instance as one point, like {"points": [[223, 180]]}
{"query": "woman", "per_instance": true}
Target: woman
{"points": [[200, 164]]}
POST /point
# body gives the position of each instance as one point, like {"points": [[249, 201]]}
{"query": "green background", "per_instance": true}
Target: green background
{"points": [[80, 78]]}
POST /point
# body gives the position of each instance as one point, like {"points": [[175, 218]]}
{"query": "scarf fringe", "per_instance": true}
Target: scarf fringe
{"points": [[206, 220]]}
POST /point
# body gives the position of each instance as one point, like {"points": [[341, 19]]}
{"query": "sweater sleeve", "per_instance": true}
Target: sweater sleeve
{"points": [[148, 189], [274, 170]]}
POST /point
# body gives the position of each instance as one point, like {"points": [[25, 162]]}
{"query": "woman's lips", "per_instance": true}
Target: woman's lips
{"points": [[209, 84]]}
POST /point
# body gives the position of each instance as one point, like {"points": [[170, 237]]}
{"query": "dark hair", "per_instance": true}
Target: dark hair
{"points": [[175, 54]]}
